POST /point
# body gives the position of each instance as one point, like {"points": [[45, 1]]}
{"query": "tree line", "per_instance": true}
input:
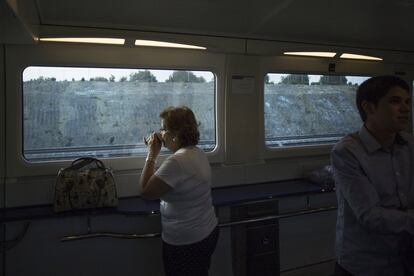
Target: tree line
{"points": [[190, 77], [141, 76], [304, 79]]}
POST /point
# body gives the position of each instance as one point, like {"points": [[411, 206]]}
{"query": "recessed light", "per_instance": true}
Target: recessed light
{"points": [[100, 40], [311, 54], [354, 56], [153, 43]]}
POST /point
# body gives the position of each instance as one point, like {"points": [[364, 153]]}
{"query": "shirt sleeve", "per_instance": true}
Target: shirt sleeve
{"points": [[169, 172], [363, 199]]}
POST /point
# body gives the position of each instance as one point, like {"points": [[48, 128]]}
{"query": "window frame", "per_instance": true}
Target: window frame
{"points": [[98, 56], [310, 144], [102, 148], [309, 66]]}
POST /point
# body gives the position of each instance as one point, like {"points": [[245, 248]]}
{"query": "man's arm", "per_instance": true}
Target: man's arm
{"points": [[363, 198]]}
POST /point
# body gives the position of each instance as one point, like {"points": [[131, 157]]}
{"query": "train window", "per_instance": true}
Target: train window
{"points": [[303, 109], [105, 112]]}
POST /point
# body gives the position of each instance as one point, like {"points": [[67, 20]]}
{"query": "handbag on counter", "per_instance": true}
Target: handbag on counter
{"points": [[85, 184]]}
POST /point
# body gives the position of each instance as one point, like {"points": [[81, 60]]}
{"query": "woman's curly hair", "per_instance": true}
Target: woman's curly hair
{"points": [[182, 123]]}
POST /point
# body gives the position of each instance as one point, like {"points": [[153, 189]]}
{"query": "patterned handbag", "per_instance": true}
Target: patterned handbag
{"points": [[86, 184]]}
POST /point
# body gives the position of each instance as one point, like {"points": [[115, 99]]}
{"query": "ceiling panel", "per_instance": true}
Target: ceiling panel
{"points": [[368, 23]]}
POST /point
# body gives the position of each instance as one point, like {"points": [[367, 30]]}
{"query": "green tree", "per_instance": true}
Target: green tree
{"points": [[144, 76], [112, 78], [184, 76], [295, 79], [123, 79], [42, 79], [333, 80], [267, 80], [98, 79]]}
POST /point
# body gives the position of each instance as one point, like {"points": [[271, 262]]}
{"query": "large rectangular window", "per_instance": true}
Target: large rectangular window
{"points": [[70, 112], [305, 109]]}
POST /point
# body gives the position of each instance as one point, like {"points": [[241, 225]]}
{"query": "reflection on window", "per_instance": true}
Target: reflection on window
{"points": [[104, 112], [309, 109]]}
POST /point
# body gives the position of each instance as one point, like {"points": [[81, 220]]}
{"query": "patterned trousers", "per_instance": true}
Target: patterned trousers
{"points": [[190, 259]]}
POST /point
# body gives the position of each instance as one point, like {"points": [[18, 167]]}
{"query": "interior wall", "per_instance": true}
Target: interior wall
{"points": [[241, 107], [239, 159], [41, 251], [12, 27], [2, 126], [2, 156]]}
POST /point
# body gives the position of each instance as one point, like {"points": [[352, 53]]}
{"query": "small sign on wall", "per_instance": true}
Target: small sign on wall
{"points": [[242, 84]]}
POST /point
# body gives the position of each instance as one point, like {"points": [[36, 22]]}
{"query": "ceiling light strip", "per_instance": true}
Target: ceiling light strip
{"points": [[99, 40], [311, 54], [354, 56], [153, 43]]}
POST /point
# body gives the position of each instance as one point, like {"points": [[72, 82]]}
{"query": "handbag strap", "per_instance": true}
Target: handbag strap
{"points": [[84, 161]]}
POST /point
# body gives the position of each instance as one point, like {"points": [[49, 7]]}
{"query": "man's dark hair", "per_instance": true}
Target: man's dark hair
{"points": [[373, 89]]}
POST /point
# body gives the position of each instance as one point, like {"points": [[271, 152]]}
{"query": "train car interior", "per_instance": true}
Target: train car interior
{"points": [[272, 84]]}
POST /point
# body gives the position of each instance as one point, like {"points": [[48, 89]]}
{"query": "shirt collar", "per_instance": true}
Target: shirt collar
{"points": [[372, 145]]}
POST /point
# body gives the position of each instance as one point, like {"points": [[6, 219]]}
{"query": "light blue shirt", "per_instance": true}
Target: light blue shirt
{"points": [[375, 191]]}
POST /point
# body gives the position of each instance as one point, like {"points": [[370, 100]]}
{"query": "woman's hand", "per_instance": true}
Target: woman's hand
{"points": [[151, 186], [154, 144]]}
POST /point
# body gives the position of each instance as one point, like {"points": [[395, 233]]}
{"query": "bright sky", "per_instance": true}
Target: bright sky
{"points": [[315, 78], [77, 73]]}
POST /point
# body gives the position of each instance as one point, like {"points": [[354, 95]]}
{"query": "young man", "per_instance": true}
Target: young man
{"points": [[374, 176]]}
